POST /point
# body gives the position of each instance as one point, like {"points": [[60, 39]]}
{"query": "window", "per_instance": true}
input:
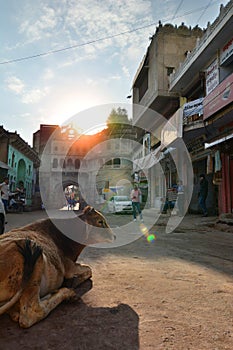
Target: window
{"points": [[12, 159], [62, 163], [69, 162], [116, 163], [55, 163], [143, 86], [77, 163], [170, 70]]}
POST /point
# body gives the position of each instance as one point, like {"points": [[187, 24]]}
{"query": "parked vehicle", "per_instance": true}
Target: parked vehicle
{"points": [[2, 218], [120, 204], [16, 203]]}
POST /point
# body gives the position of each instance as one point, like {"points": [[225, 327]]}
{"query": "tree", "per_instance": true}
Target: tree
{"points": [[118, 116]]}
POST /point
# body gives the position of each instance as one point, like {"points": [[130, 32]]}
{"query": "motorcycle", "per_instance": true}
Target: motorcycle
{"points": [[16, 203]]}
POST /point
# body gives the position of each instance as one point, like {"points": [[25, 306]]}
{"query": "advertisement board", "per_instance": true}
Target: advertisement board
{"points": [[212, 77], [193, 107], [226, 52], [220, 97]]}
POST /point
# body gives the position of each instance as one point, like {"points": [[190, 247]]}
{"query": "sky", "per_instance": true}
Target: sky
{"points": [[61, 57]]}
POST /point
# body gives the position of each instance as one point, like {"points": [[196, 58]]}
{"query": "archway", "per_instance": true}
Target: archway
{"points": [[73, 199], [21, 171]]}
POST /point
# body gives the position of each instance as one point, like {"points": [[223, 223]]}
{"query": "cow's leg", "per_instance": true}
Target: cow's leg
{"points": [[32, 308], [76, 273], [35, 310], [14, 312]]}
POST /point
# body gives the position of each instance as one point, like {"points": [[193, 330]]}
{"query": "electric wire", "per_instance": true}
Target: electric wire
{"points": [[181, 2], [50, 52], [204, 10]]}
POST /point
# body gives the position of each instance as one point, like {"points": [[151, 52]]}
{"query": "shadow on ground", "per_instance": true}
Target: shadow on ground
{"points": [[75, 326]]}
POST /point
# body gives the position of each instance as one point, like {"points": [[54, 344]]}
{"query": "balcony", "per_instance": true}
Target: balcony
{"points": [[215, 36]]}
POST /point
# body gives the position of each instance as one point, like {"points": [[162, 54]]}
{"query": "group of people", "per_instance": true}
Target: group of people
{"points": [[12, 199], [176, 194]]}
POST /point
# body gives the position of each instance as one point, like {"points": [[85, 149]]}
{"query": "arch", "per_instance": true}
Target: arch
{"points": [[77, 163], [62, 163], [13, 159], [21, 171], [69, 162], [109, 162]]}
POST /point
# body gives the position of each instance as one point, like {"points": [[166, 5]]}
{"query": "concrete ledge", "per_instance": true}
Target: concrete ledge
{"points": [[226, 218]]}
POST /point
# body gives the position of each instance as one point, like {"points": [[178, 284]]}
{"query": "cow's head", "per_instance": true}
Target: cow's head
{"points": [[97, 228]]}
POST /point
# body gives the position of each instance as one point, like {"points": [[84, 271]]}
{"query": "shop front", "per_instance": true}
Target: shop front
{"points": [[218, 117]]}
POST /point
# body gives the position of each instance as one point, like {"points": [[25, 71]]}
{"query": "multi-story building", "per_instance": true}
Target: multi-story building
{"points": [[154, 104], [205, 82], [186, 75], [20, 160], [4, 141], [97, 165]]}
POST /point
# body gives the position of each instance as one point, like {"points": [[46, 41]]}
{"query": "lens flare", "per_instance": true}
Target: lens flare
{"points": [[150, 237]]}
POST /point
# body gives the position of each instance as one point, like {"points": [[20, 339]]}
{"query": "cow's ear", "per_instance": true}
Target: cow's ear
{"points": [[88, 210]]}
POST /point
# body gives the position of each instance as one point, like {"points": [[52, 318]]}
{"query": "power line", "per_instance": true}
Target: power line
{"points": [[50, 52], [181, 2], [204, 10]]}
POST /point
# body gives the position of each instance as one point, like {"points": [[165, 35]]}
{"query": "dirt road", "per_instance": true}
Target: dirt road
{"points": [[174, 293]]}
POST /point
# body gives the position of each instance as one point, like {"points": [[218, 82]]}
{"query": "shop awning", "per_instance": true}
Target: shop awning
{"points": [[4, 165], [216, 142]]}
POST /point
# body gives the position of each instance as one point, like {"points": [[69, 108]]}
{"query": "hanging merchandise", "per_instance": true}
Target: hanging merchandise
{"points": [[209, 169], [218, 164]]}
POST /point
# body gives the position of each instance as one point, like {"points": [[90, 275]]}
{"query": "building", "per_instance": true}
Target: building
{"points": [[20, 162], [154, 104], [98, 165], [205, 82]]}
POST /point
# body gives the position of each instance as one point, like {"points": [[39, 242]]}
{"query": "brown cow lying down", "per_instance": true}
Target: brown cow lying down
{"points": [[35, 260]]}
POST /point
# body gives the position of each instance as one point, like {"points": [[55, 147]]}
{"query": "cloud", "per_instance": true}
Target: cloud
{"points": [[15, 84], [34, 95], [41, 22], [80, 22], [48, 74], [27, 95], [126, 71]]}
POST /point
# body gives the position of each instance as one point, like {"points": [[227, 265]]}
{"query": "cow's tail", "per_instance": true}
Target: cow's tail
{"points": [[31, 253]]}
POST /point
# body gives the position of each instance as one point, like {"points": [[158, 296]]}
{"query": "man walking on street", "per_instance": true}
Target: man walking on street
{"points": [[4, 188], [202, 195], [135, 196]]}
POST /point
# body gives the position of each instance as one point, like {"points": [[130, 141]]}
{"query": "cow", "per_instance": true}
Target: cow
{"points": [[36, 260]]}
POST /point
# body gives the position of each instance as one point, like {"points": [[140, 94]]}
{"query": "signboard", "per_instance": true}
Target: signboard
{"points": [[226, 51], [212, 77], [219, 98], [193, 107]]}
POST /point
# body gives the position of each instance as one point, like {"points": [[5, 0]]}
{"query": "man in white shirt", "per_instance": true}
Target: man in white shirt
{"points": [[4, 188]]}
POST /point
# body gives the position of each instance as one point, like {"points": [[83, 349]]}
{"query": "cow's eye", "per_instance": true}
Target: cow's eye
{"points": [[101, 222]]}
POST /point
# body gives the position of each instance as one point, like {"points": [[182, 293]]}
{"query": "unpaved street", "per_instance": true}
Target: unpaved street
{"points": [[173, 293]]}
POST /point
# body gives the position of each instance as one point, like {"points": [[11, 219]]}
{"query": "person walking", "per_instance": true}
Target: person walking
{"points": [[5, 191], [135, 197], [202, 195], [180, 198]]}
